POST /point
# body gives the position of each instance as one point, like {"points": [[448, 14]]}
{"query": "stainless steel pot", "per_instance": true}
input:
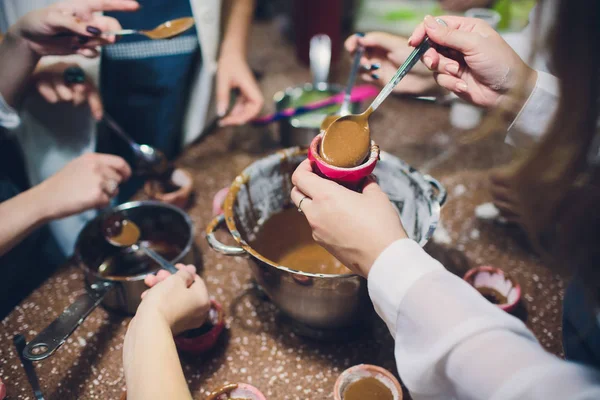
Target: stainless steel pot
{"points": [[165, 228], [317, 300]]}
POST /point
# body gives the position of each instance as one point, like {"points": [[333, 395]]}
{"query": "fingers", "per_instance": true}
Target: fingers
{"points": [[222, 94], [95, 101], [451, 83], [248, 104], [302, 205], [47, 92], [116, 163], [371, 187], [462, 34], [384, 40], [185, 276], [308, 182]]}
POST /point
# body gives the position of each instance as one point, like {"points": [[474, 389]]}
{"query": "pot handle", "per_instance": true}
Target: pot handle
{"points": [[441, 194], [51, 338], [215, 244]]}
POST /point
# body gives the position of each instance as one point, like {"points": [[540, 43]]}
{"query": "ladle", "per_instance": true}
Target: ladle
{"points": [[166, 30], [360, 152], [148, 158], [345, 107], [125, 233]]}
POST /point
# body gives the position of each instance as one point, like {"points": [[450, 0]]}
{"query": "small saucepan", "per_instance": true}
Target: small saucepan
{"points": [[115, 276]]}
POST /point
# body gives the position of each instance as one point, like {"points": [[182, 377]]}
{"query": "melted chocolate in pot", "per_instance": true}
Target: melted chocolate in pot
{"points": [[286, 239]]}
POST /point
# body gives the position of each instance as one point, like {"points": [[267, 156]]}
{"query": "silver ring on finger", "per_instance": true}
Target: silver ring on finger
{"points": [[300, 203]]}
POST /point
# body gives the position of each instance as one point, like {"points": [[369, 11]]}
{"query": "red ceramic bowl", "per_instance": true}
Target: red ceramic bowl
{"points": [[344, 176], [490, 281], [361, 371], [203, 343]]}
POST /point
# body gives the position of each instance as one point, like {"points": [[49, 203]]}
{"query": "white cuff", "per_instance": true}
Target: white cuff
{"points": [[536, 115], [394, 272], [9, 118]]}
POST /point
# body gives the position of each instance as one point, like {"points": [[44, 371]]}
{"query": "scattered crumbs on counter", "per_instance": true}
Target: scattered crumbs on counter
{"points": [[459, 190], [475, 234], [441, 235], [487, 211]]}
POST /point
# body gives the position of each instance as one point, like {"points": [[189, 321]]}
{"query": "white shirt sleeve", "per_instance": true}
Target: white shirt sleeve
{"points": [[536, 115], [453, 344], [9, 118]]}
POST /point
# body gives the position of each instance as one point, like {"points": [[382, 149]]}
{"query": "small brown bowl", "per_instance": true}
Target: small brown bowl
{"points": [[496, 286], [187, 342], [361, 371], [177, 191], [237, 391]]}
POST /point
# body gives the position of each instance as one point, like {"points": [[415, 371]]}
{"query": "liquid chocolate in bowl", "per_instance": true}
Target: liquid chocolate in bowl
{"points": [[286, 239], [347, 141], [368, 388]]}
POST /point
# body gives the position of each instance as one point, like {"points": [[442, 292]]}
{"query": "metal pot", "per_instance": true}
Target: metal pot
{"points": [[165, 228], [317, 300]]}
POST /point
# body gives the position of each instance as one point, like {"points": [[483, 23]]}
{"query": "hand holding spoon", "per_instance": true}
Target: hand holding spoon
{"points": [[166, 30], [125, 233], [347, 141]]}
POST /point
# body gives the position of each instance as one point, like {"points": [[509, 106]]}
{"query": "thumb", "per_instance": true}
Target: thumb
{"points": [[186, 276], [441, 34], [371, 187]]}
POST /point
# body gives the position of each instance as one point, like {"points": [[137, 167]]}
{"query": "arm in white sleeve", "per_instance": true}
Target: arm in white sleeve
{"points": [[536, 115], [452, 343]]}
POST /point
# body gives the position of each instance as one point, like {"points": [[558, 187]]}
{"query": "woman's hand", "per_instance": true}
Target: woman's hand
{"points": [[234, 73], [472, 60], [50, 83], [181, 299], [354, 227], [464, 5], [88, 182], [71, 26], [384, 53]]}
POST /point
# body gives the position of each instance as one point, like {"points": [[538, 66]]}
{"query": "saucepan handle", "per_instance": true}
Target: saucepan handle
{"points": [[51, 338], [441, 194], [216, 244]]}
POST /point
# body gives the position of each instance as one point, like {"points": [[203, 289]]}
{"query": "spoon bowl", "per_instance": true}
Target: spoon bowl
{"points": [[166, 30]]}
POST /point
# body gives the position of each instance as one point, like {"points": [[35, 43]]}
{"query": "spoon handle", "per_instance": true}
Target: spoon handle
{"points": [[122, 32], [112, 124], [404, 69], [345, 108], [164, 264]]}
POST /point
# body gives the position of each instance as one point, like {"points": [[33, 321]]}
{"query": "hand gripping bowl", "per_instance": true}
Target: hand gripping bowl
{"points": [[317, 300]]}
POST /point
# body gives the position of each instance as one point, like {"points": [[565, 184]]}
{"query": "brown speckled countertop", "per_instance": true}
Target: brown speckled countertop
{"points": [[259, 346]]}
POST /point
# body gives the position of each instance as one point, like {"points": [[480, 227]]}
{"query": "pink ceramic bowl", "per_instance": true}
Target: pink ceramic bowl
{"points": [[242, 391], [200, 344], [490, 281], [361, 371], [344, 176]]}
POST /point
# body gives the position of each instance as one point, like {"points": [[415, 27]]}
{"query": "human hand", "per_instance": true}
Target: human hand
{"points": [[504, 195], [384, 54], [71, 26], [50, 83], [181, 299], [354, 227], [234, 73], [88, 182], [473, 61]]}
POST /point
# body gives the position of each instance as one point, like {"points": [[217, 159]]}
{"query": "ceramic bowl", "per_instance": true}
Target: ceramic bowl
{"points": [[182, 179], [362, 371], [242, 391], [200, 344], [486, 277], [344, 176]]}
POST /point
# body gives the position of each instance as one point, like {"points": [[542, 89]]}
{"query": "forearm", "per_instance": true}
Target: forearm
{"points": [[152, 366], [20, 216], [17, 63], [235, 40], [451, 342]]}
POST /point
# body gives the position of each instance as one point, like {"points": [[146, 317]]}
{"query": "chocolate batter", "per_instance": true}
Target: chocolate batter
{"points": [[367, 388], [224, 390], [328, 120], [171, 28], [347, 141], [123, 233], [286, 239], [492, 295]]}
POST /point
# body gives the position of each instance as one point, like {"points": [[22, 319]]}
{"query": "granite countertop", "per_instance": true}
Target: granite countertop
{"points": [[259, 345]]}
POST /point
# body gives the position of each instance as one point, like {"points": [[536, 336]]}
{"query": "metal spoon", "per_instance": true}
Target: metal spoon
{"points": [[363, 119], [345, 107], [148, 159], [20, 344], [122, 232], [166, 30]]}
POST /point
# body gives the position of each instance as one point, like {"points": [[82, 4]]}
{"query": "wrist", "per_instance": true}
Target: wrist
{"points": [[19, 45], [513, 101], [149, 312], [233, 50], [39, 202]]}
